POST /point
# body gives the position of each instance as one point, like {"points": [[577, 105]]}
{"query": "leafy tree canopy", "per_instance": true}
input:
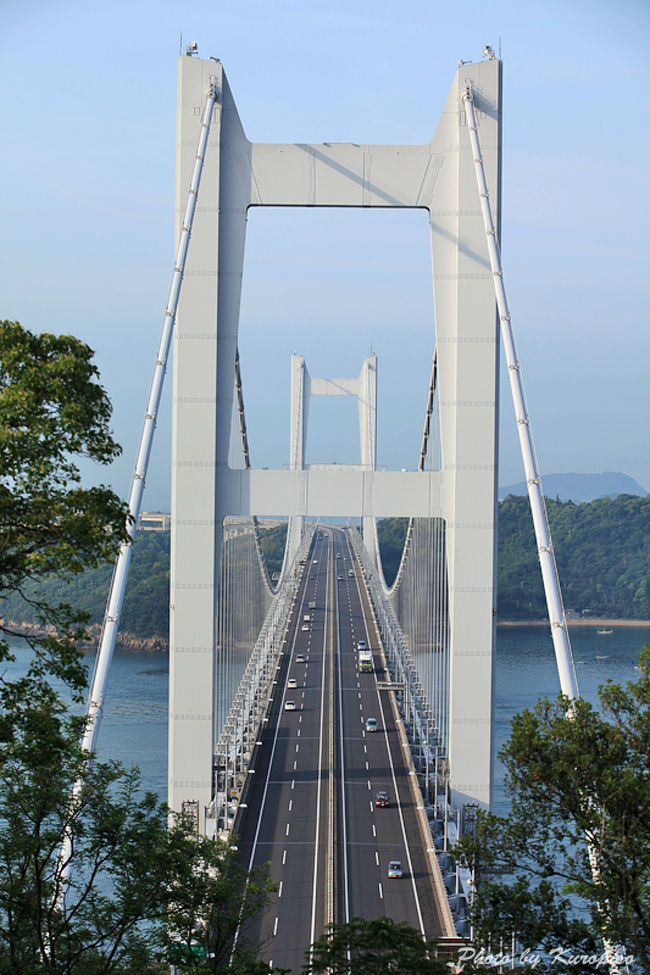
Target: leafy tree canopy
{"points": [[134, 881], [373, 947], [52, 412], [576, 774]]}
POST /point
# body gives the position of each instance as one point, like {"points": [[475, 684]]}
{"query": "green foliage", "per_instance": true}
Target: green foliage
{"points": [[103, 902], [273, 541], [145, 612], [208, 906], [391, 533], [52, 411], [373, 947], [602, 549], [575, 774], [139, 891]]}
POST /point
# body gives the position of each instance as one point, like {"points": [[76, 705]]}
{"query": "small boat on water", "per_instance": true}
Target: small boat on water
{"points": [[604, 632]]}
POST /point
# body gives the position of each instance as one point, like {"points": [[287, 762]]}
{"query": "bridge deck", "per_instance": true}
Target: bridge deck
{"points": [[310, 808]]}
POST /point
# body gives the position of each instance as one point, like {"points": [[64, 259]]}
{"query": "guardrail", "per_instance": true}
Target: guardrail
{"points": [[240, 730]]}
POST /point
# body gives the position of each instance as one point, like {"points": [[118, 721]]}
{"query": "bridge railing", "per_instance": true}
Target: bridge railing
{"points": [[404, 676], [240, 730]]}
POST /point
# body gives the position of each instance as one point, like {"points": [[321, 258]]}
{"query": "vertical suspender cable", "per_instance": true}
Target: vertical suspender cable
{"points": [[559, 629], [120, 573]]}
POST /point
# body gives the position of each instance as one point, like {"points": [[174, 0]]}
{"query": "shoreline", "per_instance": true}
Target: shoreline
{"points": [[160, 645], [596, 621]]}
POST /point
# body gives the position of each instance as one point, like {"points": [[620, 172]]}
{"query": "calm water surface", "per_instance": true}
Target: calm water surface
{"points": [[134, 728]]}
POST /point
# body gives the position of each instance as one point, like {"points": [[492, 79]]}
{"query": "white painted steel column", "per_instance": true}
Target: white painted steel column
{"points": [[559, 628]]}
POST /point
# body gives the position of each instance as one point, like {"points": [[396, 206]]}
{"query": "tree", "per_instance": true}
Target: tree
{"points": [[575, 773], [141, 892], [208, 907], [131, 873], [52, 412], [374, 947]]}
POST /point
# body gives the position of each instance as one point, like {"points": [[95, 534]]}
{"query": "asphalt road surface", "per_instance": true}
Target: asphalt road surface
{"points": [[310, 809]]}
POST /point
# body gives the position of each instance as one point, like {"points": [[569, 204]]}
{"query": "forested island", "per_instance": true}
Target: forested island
{"points": [[602, 549]]}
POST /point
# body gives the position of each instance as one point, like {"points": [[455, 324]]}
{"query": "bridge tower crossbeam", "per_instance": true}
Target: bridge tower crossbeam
{"points": [[437, 177]]}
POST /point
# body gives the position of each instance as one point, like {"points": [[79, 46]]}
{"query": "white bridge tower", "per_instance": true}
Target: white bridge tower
{"points": [[438, 177]]}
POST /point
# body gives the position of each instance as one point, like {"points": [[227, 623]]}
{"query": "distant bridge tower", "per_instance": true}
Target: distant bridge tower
{"points": [[364, 387], [438, 177]]}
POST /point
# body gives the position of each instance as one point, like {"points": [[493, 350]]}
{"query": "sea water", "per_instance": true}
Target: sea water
{"points": [[134, 726]]}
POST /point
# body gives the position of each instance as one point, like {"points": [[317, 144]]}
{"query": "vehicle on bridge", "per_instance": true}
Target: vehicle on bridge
{"points": [[395, 869], [289, 705], [364, 658], [300, 658], [371, 724], [292, 682], [382, 799]]}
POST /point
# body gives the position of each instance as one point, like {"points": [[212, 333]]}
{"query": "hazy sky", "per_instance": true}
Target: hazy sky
{"points": [[87, 198]]}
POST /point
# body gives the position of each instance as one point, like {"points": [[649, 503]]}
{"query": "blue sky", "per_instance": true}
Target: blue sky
{"points": [[87, 196]]}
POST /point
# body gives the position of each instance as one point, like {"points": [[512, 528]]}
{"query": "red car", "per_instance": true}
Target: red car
{"points": [[381, 799]]}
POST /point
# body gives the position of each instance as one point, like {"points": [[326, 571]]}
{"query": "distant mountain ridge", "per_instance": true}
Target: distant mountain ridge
{"points": [[580, 487]]}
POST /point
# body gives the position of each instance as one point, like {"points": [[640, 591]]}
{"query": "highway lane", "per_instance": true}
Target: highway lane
{"points": [[372, 763], [311, 810], [288, 825]]}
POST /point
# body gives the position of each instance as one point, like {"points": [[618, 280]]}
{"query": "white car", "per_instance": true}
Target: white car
{"points": [[292, 682], [371, 724], [395, 869], [289, 705], [300, 658]]}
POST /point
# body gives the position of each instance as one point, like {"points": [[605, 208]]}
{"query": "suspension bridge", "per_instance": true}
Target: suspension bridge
{"points": [[342, 727]]}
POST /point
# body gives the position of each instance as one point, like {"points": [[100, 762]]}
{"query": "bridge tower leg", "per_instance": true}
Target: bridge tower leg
{"points": [[438, 177]]}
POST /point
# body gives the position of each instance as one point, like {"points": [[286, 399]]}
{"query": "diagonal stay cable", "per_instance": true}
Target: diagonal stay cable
{"points": [[120, 573]]}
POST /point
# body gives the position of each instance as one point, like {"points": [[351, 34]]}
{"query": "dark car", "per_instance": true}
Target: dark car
{"points": [[381, 799]]}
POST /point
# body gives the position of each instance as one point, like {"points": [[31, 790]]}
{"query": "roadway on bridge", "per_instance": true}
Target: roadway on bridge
{"points": [[310, 809]]}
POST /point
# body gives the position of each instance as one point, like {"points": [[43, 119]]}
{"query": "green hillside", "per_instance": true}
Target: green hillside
{"points": [[602, 549]]}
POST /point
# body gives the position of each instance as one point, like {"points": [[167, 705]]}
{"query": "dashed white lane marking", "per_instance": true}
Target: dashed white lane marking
{"points": [[287, 830], [381, 892], [369, 786], [275, 927], [293, 782], [377, 857], [365, 749], [374, 831], [280, 889], [298, 732], [297, 748], [370, 804], [367, 766], [290, 804], [295, 765], [284, 857]]}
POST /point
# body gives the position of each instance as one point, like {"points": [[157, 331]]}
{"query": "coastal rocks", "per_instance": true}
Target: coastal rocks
{"points": [[125, 641]]}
